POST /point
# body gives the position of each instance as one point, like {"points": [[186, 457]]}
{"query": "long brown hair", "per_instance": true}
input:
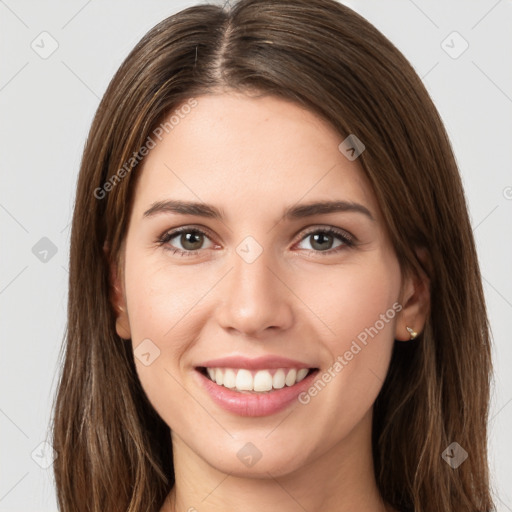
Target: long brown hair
{"points": [[114, 451]]}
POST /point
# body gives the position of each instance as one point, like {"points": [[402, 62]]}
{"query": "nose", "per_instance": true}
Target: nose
{"points": [[255, 297]]}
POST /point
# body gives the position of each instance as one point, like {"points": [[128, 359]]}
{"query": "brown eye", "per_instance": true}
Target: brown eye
{"points": [[323, 240], [189, 241]]}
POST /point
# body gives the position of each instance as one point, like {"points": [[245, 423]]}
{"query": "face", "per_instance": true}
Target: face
{"points": [[292, 309]]}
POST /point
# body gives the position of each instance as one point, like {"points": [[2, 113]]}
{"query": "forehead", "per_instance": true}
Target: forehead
{"points": [[231, 149]]}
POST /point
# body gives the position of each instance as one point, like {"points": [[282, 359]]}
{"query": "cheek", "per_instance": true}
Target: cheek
{"points": [[350, 300], [360, 307], [168, 305], [163, 308], [161, 299]]}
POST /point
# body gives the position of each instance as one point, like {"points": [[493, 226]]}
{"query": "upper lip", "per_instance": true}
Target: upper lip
{"points": [[258, 363]]}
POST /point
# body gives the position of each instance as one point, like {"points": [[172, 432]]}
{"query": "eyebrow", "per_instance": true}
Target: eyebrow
{"points": [[291, 213]]}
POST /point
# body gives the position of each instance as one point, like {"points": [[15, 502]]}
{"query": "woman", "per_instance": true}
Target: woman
{"points": [[274, 296]]}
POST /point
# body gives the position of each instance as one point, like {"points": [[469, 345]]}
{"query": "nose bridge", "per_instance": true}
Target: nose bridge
{"points": [[255, 298], [251, 274]]}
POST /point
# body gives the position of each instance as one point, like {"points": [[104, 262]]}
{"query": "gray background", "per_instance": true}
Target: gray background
{"points": [[46, 107]]}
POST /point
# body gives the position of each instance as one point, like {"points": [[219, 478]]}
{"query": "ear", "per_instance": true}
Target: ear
{"points": [[117, 296], [415, 300]]}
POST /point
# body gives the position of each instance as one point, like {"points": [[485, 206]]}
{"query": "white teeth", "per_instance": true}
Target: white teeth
{"points": [[301, 374], [291, 377], [243, 380], [278, 379], [229, 379], [260, 382]]}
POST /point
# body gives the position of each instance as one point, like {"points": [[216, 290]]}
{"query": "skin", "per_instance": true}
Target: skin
{"points": [[252, 158]]}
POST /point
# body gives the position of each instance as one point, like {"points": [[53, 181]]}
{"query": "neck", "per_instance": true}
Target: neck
{"points": [[340, 480]]}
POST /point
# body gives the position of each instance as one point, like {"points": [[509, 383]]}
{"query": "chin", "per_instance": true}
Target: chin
{"points": [[249, 461]]}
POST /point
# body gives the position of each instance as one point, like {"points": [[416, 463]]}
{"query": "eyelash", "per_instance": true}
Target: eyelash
{"points": [[346, 238]]}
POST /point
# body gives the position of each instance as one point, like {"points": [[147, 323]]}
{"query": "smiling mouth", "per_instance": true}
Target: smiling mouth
{"points": [[255, 381]]}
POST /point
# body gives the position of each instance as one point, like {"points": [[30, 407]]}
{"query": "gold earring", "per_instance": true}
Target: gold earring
{"points": [[412, 333]]}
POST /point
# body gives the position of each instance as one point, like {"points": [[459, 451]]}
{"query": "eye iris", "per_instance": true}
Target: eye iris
{"points": [[320, 238], [191, 238]]}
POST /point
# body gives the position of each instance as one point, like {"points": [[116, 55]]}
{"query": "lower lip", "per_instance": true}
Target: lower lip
{"points": [[254, 404]]}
